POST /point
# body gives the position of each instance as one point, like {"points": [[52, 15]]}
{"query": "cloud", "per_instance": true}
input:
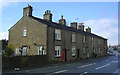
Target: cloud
{"points": [[106, 27], [3, 35]]}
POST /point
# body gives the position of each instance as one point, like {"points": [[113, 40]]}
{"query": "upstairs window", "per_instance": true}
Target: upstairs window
{"points": [[73, 37], [57, 34], [99, 41], [24, 33], [84, 39], [73, 51], [57, 51]]}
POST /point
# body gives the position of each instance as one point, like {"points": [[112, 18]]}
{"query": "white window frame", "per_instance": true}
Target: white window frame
{"points": [[99, 41], [73, 37], [24, 33], [73, 51], [17, 51], [57, 51], [41, 50], [84, 51], [84, 39], [57, 34], [24, 51]]}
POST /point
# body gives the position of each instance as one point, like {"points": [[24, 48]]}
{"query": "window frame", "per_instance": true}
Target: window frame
{"points": [[73, 51], [24, 32], [73, 37], [58, 50], [84, 39], [57, 34], [41, 51]]}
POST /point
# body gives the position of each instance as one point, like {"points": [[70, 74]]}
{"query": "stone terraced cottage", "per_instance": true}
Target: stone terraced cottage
{"points": [[36, 36]]}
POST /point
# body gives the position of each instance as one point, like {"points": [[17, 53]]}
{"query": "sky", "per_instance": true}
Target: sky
{"points": [[101, 17]]}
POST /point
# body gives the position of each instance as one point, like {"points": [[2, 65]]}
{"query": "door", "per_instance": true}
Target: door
{"points": [[24, 50], [65, 54]]}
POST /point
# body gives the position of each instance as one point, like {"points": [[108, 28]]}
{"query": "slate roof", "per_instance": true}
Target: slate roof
{"points": [[65, 27]]}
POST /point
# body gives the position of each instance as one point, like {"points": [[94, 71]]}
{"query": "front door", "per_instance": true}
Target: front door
{"points": [[24, 50], [65, 54]]}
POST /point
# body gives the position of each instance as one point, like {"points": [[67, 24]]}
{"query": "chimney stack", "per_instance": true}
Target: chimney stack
{"points": [[62, 21], [48, 15], [81, 26], [73, 25], [88, 29], [27, 11]]}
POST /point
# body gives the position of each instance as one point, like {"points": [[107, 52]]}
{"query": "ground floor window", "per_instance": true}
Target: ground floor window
{"points": [[24, 50], [73, 51], [17, 52], [84, 51], [41, 50], [57, 51]]}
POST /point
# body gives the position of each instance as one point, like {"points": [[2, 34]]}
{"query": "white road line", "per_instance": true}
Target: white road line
{"points": [[84, 73], [116, 71], [115, 61], [102, 66], [60, 71], [86, 65]]}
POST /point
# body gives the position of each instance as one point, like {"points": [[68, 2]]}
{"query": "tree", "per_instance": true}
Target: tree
{"points": [[8, 51]]}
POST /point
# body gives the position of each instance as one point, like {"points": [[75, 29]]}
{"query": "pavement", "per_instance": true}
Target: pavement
{"points": [[108, 65]]}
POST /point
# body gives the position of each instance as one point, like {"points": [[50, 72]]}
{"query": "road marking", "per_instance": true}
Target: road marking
{"points": [[116, 71], [115, 61], [102, 66], [60, 71], [84, 73], [86, 65]]}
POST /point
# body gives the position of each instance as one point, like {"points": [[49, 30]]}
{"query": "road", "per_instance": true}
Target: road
{"points": [[98, 66]]}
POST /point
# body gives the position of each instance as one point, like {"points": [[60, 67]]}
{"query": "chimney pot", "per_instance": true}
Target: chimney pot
{"points": [[73, 25], [48, 15], [81, 26]]}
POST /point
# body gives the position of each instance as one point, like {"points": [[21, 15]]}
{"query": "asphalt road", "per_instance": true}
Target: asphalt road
{"points": [[100, 66]]}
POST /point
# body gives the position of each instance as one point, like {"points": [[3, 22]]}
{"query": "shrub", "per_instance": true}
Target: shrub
{"points": [[8, 51]]}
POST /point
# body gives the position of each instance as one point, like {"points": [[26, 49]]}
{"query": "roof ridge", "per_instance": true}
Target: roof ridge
{"points": [[50, 23]]}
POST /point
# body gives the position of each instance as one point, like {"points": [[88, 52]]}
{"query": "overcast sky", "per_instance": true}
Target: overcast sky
{"points": [[102, 17]]}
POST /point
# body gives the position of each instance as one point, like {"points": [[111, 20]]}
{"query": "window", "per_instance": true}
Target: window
{"points": [[41, 50], [99, 41], [73, 37], [94, 51], [73, 51], [24, 50], [17, 51], [57, 51], [57, 34], [99, 50], [84, 51], [84, 39], [92, 39], [24, 32]]}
